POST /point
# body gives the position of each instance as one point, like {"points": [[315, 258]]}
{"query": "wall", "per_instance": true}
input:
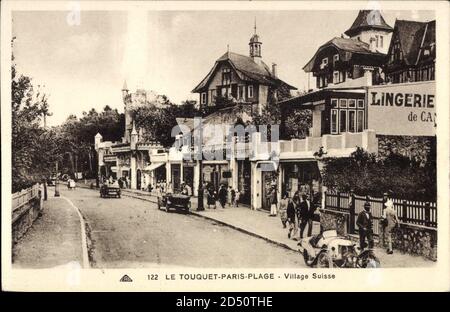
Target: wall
{"points": [[407, 238], [23, 218], [330, 220], [367, 34], [415, 240], [217, 81]]}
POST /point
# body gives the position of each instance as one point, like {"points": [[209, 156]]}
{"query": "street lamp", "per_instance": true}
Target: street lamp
{"points": [[56, 181], [200, 164]]}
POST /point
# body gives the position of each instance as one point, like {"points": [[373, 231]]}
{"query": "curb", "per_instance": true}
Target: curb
{"points": [[244, 231], [217, 221]]}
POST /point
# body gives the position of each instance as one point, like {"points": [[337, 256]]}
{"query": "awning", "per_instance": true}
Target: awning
{"points": [[154, 166]]}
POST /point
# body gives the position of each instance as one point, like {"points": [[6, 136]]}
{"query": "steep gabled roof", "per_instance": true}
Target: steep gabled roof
{"points": [[246, 68], [343, 45], [187, 122], [412, 36], [368, 19]]}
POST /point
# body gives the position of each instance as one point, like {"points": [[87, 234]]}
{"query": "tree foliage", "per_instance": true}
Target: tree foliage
{"points": [[31, 155], [157, 121], [365, 174]]}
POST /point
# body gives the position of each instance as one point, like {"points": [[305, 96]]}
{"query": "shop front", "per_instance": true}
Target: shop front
{"points": [[215, 173], [269, 183], [176, 177], [188, 173], [244, 181], [301, 176]]}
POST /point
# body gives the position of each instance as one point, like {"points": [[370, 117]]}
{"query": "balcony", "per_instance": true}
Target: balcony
{"points": [[341, 145]]}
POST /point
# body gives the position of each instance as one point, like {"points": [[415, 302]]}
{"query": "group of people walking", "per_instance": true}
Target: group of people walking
{"points": [[225, 196], [296, 213]]}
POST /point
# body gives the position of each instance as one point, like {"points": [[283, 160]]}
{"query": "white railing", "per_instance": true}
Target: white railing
{"points": [[338, 143]]}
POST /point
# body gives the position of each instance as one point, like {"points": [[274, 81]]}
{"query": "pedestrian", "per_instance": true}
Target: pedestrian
{"points": [[188, 189], [365, 223], [291, 218], [168, 187], [120, 181], [389, 217], [283, 209], [237, 195], [386, 197], [304, 214], [229, 197], [311, 212], [212, 198], [206, 196], [233, 197], [222, 196], [273, 202]]}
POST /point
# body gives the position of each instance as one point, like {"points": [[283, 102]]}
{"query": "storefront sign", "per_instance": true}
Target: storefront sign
{"points": [[403, 109], [109, 158]]}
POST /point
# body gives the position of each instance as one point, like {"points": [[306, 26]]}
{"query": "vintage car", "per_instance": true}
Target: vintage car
{"points": [[109, 191], [169, 201]]}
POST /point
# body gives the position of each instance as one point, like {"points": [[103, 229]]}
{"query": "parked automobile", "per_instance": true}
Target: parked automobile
{"points": [[110, 190], [174, 201], [328, 250], [51, 181], [65, 177]]}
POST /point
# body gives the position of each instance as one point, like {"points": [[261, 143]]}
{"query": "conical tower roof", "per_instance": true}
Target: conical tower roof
{"points": [[368, 19]]}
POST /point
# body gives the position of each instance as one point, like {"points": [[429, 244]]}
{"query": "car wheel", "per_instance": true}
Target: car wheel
{"points": [[323, 261], [309, 261]]}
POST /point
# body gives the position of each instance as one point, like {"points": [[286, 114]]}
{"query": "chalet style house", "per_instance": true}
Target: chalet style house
{"points": [[412, 52], [355, 60], [242, 79]]}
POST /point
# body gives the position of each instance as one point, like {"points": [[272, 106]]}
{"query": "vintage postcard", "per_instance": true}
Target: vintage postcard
{"points": [[225, 146]]}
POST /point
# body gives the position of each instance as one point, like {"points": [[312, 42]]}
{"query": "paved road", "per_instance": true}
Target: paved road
{"points": [[129, 232]]}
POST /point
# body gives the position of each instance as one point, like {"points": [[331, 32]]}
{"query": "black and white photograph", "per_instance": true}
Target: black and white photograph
{"points": [[251, 142]]}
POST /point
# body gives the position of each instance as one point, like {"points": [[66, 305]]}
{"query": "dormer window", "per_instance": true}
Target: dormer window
{"points": [[226, 76], [324, 63], [335, 59]]}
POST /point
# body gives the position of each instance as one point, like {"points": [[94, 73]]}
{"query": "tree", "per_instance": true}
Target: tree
{"points": [[31, 155], [157, 120]]}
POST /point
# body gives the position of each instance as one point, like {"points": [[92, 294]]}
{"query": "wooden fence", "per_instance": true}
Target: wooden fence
{"points": [[408, 212], [22, 198]]}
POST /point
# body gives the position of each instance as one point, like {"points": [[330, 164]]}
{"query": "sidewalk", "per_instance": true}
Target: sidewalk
{"points": [[258, 223], [53, 240]]}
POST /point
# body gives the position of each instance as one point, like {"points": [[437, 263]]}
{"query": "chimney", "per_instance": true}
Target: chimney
{"points": [[368, 75], [274, 69]]}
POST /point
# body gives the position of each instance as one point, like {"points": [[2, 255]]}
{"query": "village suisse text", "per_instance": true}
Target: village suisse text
{"points": [[243, 276]]}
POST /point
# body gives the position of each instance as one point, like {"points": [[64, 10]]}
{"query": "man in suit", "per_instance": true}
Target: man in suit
{"points": [[304, 214], [365, 223]]}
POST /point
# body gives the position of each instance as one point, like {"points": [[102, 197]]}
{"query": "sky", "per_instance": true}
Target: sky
{"points": [[83, 65]]}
